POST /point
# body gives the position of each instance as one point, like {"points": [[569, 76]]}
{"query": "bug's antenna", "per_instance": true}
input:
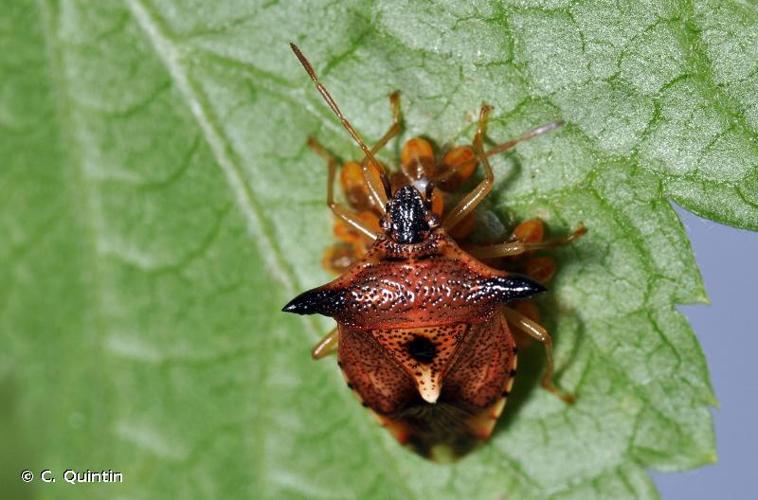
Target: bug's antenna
{"points": [[379, 196], [387, 186], [531, 134]]}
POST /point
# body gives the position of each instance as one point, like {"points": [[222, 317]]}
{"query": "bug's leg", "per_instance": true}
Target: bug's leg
{"points": [[455, 168], [380, 183], [397, 124], [351, 245], [378, 192], [540, 268], [327, 345], [353, 176], [505, 249], [538, 332], [471, 200], [354, 187], [459, 164], [338, 210], [464, 228], [519, 246]]}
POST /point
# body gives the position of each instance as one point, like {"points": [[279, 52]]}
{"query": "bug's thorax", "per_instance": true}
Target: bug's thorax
{"points": [[431, 282], [388, 250]]}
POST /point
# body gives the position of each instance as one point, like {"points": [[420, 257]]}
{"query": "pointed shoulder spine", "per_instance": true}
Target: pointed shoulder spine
{"points": [[326, 301], [506, 288]]}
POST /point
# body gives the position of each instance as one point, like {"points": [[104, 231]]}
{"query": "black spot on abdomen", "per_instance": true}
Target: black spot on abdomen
{"points": [[422, 349]]}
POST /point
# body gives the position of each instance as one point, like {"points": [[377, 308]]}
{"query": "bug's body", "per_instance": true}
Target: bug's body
{"points": [[423, 334]]}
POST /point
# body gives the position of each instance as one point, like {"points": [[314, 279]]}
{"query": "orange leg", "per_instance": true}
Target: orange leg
{"points": [[395, 127], [327, 345], [464, 228], [462, 164], [351, 245], [376, 189], [456, 167], [538, 332], [354, 186], [339, 211], [472, 200], [357, 191], [378, 184], [352, 179], [518, 247]]}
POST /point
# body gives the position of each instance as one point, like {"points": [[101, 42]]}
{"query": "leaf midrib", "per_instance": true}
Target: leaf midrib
{"points": [[244, 195]]}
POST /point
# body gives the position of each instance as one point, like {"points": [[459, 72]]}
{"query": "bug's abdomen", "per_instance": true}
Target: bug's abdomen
{"points": [[484, 365], [432, 384], [371, 371], [424, 353]]}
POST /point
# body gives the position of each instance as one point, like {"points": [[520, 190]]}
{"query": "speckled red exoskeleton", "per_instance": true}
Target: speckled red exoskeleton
{"points": [[423, 327]]}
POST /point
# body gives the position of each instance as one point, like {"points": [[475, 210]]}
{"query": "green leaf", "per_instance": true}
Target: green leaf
{"points": [[159, 207]]}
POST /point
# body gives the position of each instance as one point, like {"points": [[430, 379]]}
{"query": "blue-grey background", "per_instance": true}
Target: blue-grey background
{"points": [[727, 332]]}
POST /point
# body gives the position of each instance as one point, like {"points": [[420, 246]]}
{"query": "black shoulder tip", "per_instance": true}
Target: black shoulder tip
{"points": [[523, 285], [511, 287], [317, 301], [292, 306]]}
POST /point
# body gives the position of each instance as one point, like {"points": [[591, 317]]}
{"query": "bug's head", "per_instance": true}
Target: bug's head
{"points": [[409, 217]]}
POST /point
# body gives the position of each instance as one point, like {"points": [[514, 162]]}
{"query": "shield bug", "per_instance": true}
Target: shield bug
{"points": [[423, 332]]}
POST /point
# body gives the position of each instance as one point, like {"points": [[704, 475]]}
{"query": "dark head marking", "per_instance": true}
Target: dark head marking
{"points": [[408, 217]]}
